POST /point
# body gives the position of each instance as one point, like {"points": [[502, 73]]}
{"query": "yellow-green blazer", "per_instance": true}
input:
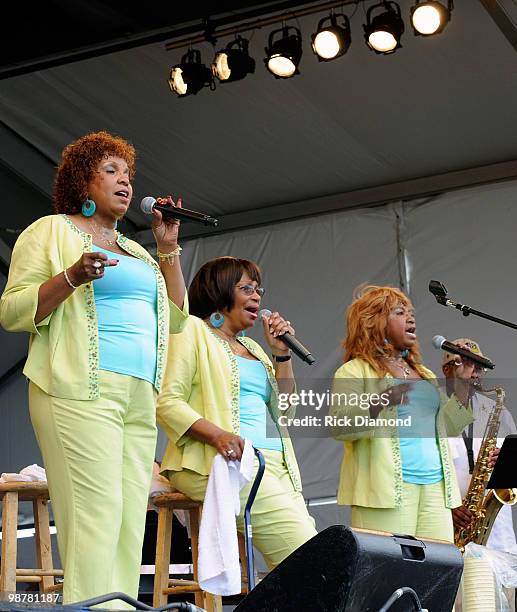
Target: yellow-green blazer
{"points": [[202, 381], [63, 355], [371, 470]]}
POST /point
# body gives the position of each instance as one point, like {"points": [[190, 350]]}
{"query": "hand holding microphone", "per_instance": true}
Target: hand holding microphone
{"points": [[274, 327], [149, 205], [439, 342], [165, 228], [463, 376], [280, 335]]}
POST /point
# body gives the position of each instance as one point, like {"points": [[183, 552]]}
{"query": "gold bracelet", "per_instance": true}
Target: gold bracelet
{"points": [[69, 281], [169, 257]]}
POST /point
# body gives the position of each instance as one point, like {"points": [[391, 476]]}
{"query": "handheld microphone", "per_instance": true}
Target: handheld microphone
{"points": [[172, 212], [296, 346], [439, 342]]}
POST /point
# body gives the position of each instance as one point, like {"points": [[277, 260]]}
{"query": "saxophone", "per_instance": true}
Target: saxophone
{"points": [[484, 506]]}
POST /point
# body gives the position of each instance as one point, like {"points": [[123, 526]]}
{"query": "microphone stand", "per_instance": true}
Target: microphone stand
{"points": [[440, 293]]}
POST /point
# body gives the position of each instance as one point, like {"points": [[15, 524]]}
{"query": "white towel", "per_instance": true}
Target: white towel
{"points": [[31, 473], [218, 562]]}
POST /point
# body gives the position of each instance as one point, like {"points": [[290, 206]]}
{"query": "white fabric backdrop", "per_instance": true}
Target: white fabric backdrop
{"points": [[465, 239]]}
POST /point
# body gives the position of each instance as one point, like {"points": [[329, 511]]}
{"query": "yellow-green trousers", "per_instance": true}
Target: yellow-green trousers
{"points": [[422, 514], [98, 455], [279, 515]]}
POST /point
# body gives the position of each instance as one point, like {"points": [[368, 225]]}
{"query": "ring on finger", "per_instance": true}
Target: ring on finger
{"points": [[230, 452], [97, 271], [97, 263]]}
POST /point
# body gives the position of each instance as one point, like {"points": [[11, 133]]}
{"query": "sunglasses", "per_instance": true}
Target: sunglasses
{"points": [[251, 289]]}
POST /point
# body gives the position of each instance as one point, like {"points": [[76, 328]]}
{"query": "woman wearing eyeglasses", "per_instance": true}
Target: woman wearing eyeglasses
{"points": [[220, 388]]}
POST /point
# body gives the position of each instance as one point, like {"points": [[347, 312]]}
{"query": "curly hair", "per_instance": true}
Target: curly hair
{"points": [[212, 288], [78, 163], [367, 320]]}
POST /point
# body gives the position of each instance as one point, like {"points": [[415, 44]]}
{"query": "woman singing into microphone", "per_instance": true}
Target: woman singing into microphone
{"points": [[397, 472], [99, 310], [220, 388]]}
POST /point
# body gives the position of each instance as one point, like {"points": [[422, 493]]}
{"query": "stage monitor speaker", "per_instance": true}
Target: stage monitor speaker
{"points": [[353, 570]]}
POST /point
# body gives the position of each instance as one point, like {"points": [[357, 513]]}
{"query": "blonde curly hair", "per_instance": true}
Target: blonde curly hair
{"points": [[367, 320]]}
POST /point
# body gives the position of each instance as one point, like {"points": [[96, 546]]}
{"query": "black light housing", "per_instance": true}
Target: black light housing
{"points": [[190, 75], [283, 55], [331, 41], [233, 62], [430, 17], [384, 31]]}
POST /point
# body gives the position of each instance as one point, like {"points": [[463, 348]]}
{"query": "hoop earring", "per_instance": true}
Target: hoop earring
{"points": [[216, 319], [88, 208]]}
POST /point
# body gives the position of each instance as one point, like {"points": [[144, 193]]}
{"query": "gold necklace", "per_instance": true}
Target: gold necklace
{"points": [[231, 340], [403, 366], [94, 225]]}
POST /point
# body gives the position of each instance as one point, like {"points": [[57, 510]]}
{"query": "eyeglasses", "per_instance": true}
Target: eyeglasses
{"points": [[251, 289]]}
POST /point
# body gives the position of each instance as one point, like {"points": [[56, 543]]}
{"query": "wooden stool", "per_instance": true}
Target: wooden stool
{"points": [[37, 492], [163, 585]]}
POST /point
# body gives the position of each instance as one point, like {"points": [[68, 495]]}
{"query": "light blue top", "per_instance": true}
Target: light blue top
{"points": [[420, 453], [255, 393], [125, 300]]}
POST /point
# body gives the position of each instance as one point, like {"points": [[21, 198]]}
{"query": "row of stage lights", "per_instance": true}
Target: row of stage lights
{"points": [[382, 32]]}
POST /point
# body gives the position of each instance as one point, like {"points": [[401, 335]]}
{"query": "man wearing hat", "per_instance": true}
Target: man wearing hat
{"points": [[466, 448]]}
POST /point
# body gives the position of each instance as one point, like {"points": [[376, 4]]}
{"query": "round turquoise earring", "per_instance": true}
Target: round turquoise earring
{"points": [[216, 319], [88, 208], [404, 353]]}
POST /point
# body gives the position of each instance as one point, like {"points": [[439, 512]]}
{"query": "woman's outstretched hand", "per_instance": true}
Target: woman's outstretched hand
{"points": [[89, 267]]}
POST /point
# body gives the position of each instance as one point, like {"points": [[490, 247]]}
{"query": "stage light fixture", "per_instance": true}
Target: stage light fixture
{"points": [[190, 75], [233, 62], [430, 17], [384, 31], [284, 54], [331, 41]]}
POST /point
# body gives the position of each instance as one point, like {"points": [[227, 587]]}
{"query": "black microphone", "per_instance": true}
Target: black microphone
{"points": [[173, 212], [439, 342], [296, 346]]}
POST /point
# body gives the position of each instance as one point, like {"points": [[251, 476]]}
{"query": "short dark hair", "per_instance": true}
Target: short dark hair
{"points": [[212, 288], [78, 163]]}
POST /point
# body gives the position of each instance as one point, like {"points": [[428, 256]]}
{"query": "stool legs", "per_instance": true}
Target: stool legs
{"points": [[163, 555], [194, 534], [9, 542], [43, 544], [211, 603]]}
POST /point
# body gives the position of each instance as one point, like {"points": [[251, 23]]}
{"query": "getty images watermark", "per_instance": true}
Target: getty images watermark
{"points": [[352, 407], [327, 400]]}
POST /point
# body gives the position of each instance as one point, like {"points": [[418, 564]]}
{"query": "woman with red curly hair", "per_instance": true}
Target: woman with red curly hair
{"points": [[99, 311], [397, 472]]}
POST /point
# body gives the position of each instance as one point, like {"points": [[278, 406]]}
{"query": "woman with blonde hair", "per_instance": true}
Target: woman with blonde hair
{"points": [[397, 472]]}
